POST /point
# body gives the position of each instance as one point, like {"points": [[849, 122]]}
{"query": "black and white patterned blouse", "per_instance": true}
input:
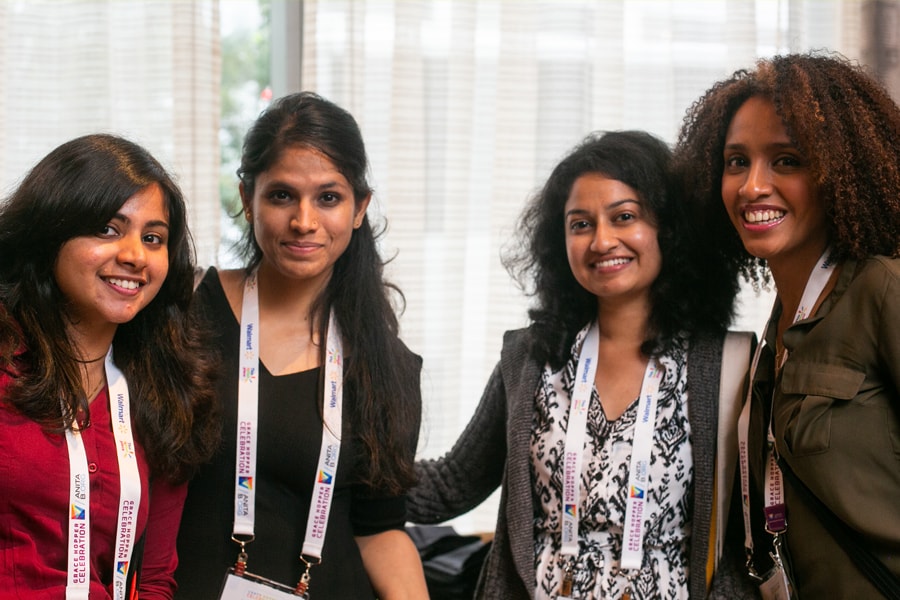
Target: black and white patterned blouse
{"points": [[604, 478]]}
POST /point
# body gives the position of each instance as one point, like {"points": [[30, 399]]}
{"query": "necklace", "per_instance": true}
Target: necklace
{"points": [[82, 419], [96, 390], [90, 360]]}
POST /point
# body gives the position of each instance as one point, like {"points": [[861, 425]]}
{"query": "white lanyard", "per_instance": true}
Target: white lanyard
{"points": [[79, 554], [633, 534], [329, 452], [574, 448], [248, 411], [247, 427], [774, 509]]}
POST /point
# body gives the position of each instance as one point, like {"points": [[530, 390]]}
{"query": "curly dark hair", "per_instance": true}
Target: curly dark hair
{"points": [[844, 123], [75, 191], [693, 294], [380, 372]]}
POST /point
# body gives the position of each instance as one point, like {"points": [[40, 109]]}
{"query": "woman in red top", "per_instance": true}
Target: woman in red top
{"points": [[103, 382]]}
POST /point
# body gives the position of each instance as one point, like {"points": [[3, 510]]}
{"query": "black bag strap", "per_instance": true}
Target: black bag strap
{"points": [[133, 579], [880, 576]]}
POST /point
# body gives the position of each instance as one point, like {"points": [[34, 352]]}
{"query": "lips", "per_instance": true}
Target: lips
{"points": [[612, 262], [126, 284], [302, 248], [765, 216]]}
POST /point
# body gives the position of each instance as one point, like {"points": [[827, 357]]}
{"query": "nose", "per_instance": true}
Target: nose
{"points": [[605, 238], [306, 218], [132, 251], [758, 183]]}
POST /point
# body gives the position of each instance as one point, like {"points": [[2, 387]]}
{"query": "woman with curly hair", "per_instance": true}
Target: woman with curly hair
{"points": [[599, 422], [795, 163], [321, 397], [105, 392]]}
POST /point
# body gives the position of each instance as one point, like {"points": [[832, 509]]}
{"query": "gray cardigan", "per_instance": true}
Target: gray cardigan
{"points": [[494, 450]]}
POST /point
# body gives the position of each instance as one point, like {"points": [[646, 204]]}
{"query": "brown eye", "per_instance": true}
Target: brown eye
{"points": [[736, 161], [330, 198], [578, 225]]}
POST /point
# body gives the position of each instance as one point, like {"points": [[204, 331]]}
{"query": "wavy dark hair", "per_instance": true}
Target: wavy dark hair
{"points": [[380, 373], [844, 123], [75, 191], [691, 296]]}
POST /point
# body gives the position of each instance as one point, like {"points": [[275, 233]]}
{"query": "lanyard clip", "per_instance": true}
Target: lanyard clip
{"points": [[240, 564], [751, 570]]}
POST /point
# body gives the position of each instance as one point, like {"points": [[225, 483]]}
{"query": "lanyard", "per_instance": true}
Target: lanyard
{"points": [[79, 540], [248, 425], [774, 508], [248, 412], [575, 434], [632, 545]]}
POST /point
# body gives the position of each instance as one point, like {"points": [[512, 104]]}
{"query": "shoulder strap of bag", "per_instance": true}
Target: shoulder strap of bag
{"points": [[880, 576], [736, 351]]}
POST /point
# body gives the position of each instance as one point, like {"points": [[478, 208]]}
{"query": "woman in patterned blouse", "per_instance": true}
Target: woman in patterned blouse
{"points": [[612, 498]]}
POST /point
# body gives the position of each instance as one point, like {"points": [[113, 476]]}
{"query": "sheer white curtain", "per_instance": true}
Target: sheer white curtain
{"points": [[148, 71], [466, 105]]}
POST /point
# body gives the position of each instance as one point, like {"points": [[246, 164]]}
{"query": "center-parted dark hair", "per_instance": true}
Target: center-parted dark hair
{"points": [[843, 122], [380, 373], [689, 296], [75, 191]]}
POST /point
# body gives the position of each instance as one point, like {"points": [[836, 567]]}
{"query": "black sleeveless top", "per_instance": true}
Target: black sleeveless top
{"points": [[290, 434]]}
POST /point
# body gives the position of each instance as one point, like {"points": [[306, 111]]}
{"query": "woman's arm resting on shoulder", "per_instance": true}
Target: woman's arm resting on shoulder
{"points": [[393, 565], [461, 479]]}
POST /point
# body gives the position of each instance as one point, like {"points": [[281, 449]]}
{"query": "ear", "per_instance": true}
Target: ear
{"points": [[246, 202], [360, 211]]}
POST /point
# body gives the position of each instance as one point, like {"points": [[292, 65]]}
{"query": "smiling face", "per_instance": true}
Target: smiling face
{"points": [[108, 277], [768, 189], [303, 213], [611, 240]]}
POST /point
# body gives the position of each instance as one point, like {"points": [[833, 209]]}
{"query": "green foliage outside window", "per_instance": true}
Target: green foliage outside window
{"points": [[245, 92]]}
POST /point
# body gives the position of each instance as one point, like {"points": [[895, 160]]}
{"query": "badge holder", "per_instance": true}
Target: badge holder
{"points": [[241, 585], [776, 583]]}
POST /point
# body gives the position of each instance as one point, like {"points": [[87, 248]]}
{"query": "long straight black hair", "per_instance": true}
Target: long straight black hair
{"points": [[380, 374]]}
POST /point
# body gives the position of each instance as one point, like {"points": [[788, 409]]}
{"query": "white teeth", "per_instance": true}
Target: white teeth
{"points": [[612, 262], [124, 283], [763, 216]]}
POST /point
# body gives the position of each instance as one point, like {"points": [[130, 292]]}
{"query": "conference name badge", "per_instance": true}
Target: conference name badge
{"points": [[254, 587]]}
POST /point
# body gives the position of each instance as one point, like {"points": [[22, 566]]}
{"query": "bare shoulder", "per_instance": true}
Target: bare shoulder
{"points": [[231, 278]]}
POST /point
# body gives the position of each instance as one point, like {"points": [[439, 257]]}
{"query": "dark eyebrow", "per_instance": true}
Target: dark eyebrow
{"points": [[776, 146], [328, 185], [575, 211], [614, 205], [619, 203], [124, 219]]}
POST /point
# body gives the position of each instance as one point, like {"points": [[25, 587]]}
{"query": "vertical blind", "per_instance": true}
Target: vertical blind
{"points": [[148, 71], [466, 105]]}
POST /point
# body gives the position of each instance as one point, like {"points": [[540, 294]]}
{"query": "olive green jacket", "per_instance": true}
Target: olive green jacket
{"points": [[837, 424]]}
